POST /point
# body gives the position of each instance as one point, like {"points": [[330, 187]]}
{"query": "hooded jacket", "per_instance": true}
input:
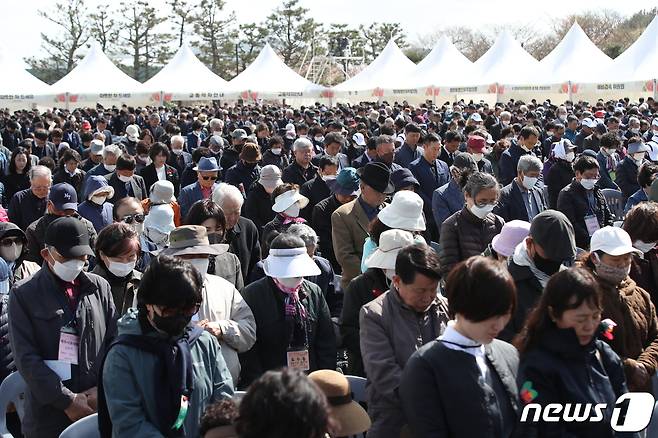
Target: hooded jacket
{"points": [[22, 268], [132, 404], [99, 215]]}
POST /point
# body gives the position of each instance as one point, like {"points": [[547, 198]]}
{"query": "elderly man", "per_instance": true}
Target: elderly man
{"points": [[207, 174], [157, 131], [386, 152], [496, 130], [241, 233], [231, 155], [179, 158], [95, 156], [60, 322], [41, 147], [524, 145], [320, 187], [301, 170], [395, 325], [28, 205], [109, 164], [62, 201], [349, 223], [523, 198], [224, 313], [409, 151], [125, 182], [333, 143]]}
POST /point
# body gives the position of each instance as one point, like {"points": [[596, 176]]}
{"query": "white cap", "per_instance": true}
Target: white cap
{"points": [[289, 263], [359, 139], [476, 117], [590, 123], [613, 241], [132, 132]]}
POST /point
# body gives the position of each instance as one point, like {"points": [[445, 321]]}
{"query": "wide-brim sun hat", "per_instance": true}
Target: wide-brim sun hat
{"points": [[190, 240], [390, 244], [286, 199], [405, 212], [289, 263]]}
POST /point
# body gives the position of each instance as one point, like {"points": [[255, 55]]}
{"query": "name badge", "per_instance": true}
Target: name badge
{"points": [[69, 344], [592, 223], [298, 360]]}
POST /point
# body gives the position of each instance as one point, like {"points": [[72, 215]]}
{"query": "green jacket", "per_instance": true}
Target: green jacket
{"points": [[130, 387]]}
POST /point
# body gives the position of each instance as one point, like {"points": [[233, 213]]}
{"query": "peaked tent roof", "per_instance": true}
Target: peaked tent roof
{"points": [[269, 77], [640, 61], [576, 58], [96, 75], [16, 80], [185, 75], [444, 66], [387, 71], [506, 62]]}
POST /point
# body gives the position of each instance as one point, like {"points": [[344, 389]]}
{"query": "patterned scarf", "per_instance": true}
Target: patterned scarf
{"points": [[293, 305], [292, 220]]}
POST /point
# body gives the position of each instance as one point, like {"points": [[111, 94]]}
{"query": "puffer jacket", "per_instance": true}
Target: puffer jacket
{"points": [[464, 235], [22, 268], [7, 365], [563, 371], [573, 202]]}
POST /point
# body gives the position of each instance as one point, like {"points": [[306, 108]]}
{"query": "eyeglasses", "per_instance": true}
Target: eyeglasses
{"points": [[209, 178], [8, 241], [129, 219]]}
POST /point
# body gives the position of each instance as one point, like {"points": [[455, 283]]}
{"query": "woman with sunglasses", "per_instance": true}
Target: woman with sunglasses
{"points": [[117, 251], [13, 248], [130, 211], [147, 378]]}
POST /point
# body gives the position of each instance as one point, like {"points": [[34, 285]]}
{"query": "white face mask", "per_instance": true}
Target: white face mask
{"points": [[177, 151], [200, 265], [110, 167], [588, 184], [478, 157], [611, 151], [292, 211], [276, 151], [635, 130], [138, 227], [98, 199], [123, 178], [319, 138], [639, 157], [643, 246], [120, 269], [570, 156], [291, 282], [11, 253], [69, 270], [4, 287], [328, 177], [481, 212], [529, 182]]}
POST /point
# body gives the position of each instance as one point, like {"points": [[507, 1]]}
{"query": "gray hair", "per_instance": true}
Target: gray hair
{"points": [[39, 171], [479, 181], [111, 149], [178, 139], [302, 143], [529, 163], [384, 139], [506, 114], [216, 124], [224, 192], [306, 233]]}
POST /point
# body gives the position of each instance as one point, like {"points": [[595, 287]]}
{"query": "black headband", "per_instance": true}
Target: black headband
{"points": [[340, 400]]}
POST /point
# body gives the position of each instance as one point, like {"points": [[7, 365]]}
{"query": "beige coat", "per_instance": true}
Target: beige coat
{"points": [[349, 229]]}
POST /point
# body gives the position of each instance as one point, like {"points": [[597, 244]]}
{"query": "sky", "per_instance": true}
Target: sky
{"points": [[21, 26]]}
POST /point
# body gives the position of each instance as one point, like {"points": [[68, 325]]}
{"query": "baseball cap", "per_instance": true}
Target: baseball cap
{"points": [[96, 147], [359, 139], [476, 143], [613, 241], [69, 236], [551, 230], [64, 197], [239, 134]]}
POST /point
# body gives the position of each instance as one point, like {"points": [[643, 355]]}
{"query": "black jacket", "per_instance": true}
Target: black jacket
{"points": [[508, 162], [77, 181], [361, 290], [560, 370], [243, 242], [281, 160], [573, 203], [25, 208], [137, 184], [443, 394], [150, 176], [7, 365], [558, 177], [14, 183], [272, 333], [315, 190], [241, 174], [258, 205], [626, 177], [294, 174], [321, 223], [511, 206], [528, 292]]}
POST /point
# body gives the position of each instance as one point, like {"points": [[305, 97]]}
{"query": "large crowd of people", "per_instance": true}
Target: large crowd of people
{"points": [[217, 270]]}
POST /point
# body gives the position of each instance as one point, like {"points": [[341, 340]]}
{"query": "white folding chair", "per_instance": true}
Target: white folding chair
{"points": [[84, 428], [12, 390]]}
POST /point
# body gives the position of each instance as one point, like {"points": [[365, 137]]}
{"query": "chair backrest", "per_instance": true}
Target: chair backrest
{"points": [[12, 390], [358, 387], [614, 199], [84, 428], [652, 429], [237, 395]]}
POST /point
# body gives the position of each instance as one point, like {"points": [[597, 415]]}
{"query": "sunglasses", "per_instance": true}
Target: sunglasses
{"points": [[171, 311], [129, 219], [8, 241], [209, 178]]}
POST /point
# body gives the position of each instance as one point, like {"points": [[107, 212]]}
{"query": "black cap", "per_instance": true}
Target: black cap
{"points": [[69, 236], [551, 230], [378, 176], [464, 160], [402, 178]]}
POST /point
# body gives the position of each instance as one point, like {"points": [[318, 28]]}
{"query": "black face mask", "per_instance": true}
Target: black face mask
{"points": [[549, 267], [172, 325], [250, 165], [214, 238]]}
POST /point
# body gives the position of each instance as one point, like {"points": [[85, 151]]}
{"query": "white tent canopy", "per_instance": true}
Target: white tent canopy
{"points": [[97, 79], [185, 78], [576, 58], [444, 66], [382, 76], [640, 61], [268, 77], [506, 62], [18, 88]]}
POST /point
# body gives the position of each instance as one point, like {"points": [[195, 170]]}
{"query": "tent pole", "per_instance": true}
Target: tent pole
{"points": [[66, 100], [162, 98], [655, 92], [570, 93]]}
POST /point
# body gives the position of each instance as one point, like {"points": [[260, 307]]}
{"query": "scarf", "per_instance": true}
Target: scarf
{"points": [[292, 220], [522, 258], [293, 305], [296, 315]]}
